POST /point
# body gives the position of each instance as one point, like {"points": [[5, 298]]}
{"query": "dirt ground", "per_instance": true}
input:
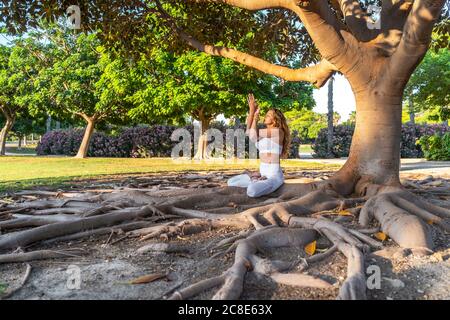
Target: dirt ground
{"points": [[111, 261]]}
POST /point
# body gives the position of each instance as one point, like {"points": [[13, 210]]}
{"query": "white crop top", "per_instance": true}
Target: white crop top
{"points": [[267, 145]]}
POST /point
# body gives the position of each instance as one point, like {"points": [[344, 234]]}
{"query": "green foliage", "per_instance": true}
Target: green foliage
{"points": [[79, 77], [436, 147], [169, 87], [3, 287], [308, 123], [18, 69], [428, 86]]}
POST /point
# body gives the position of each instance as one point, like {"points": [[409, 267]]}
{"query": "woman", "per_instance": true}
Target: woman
{"points": [[273, 144]]}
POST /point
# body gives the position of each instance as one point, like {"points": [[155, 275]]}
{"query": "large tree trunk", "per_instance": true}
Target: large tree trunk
{"points": [[84, 147], [4, 134], [330, 119], [203, 138], [375, 151]]}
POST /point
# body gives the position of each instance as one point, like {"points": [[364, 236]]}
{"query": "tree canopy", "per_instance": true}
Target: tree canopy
{"points": [[428, 87]]}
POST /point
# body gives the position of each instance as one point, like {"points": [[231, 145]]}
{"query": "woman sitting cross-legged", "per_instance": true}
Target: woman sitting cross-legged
{"points": [[273, 144]]}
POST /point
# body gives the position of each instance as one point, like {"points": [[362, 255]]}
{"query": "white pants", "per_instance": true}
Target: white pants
{"points": [[257, 188]]}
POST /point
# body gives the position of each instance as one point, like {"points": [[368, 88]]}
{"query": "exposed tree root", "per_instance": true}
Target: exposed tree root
{"points": [[39, 255], [294, 216], [26, 237], [403, 216]]}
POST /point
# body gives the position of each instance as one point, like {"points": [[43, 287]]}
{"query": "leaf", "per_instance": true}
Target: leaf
{"points": [[345, 213], [310, 249], [147, 278], [3, 287], [381, 236]]}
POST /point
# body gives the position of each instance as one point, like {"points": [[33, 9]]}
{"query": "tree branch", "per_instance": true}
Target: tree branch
{"points": [[334, 44], [317, 74], [357, 20], [393, 17], [415, 40], [256, 4]]}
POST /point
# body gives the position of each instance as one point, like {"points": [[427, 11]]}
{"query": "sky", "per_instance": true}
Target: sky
{"points": [[344, 100]]}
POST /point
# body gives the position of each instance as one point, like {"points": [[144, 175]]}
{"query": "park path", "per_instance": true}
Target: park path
{"points": [[441, 168]]}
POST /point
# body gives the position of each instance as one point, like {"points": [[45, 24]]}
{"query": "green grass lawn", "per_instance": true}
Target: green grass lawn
{"points": [[27, 172]]}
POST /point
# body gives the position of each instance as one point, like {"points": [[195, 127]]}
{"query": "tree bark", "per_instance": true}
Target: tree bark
{"points": [[4, 133], [203, 138], [330, 118], [84, 147], [375, 150], [19, 143]]}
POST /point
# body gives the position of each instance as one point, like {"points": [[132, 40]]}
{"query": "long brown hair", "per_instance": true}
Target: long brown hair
{"points": [[281, 122]]}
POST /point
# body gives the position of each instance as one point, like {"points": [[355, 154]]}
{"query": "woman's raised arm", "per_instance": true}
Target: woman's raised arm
{"points": [[252, 119]]}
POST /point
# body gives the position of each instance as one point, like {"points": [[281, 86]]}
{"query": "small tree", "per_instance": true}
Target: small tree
{"points": [[81, 79], [18, 69]]}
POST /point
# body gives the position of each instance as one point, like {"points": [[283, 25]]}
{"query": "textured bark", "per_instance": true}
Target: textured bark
{"points": [[375, 151], [202, 144], [84, 147], [4, 132]]}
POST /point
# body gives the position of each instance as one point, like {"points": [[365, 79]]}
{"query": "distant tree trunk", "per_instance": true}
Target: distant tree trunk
{"points": [[237, 123], [5, 130], [84, 147], [412, 116], [48, 124], [330, 118], [202, 145], [19, 143]]}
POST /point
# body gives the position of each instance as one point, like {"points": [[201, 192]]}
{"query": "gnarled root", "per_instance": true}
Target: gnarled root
{"points": [[26, 237], [292, 217], [232, 280], [266, 238], [403, 216]]}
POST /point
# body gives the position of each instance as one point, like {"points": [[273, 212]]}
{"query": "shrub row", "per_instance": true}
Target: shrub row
{"points": [[136, 142], [409, 146]]}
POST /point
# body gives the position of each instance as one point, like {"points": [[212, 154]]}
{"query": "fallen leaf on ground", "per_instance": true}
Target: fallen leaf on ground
{"points": [[381, 236], [310, 249], [148, 278]]}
